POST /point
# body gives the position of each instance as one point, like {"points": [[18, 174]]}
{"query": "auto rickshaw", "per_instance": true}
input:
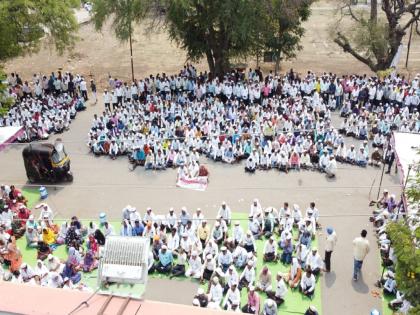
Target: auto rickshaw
{"points": [[47, 162]]}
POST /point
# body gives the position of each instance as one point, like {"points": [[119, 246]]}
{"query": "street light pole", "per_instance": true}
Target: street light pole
{"points": [[409, 45]]}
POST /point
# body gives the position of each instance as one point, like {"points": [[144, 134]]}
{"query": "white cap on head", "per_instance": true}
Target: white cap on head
{"points": [[215, 279], [164, 247], [251, 288], [200, 291], [237, 223], [196, 302], [223, 248], [270, 303]]}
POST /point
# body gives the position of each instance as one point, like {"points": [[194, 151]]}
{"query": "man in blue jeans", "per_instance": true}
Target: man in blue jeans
{"points": [[360, 250]]}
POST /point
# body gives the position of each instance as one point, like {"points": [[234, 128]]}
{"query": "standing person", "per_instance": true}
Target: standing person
{"points": [[93, 89], [330, 242], [360, 250], [389, 157], [83, 88]]}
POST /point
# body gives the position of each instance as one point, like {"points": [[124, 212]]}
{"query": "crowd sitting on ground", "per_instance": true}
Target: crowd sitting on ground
{"points": [[388, 209], [374, 108], [46, 105], [279, 122], [224, 255]]}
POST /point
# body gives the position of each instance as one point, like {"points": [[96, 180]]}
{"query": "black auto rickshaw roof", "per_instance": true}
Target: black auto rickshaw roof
{"points": [[41, 148]]}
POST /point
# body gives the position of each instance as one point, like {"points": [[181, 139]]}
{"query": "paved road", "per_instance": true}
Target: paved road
{"points": [[104, 185]]}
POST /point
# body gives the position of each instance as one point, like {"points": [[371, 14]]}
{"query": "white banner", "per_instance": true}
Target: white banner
{"points": [[199, 183]]}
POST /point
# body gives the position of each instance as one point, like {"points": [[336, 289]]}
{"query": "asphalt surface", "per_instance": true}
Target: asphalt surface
{"points": [[103, 185]]}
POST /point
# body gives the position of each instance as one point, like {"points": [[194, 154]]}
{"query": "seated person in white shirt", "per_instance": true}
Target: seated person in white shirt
{"points": [[331, 168], [195, 266], [248, 276], [351, 155], [314, 262], [279, 294], [283, 162], [233, 296], [307, 283], [362, 159], [215, 293], [270, 251], [305, 160], [250, 165]]}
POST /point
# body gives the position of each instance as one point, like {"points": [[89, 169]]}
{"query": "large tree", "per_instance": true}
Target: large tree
{"points": [[283, 28], [24, 23], [374, 36], [219, 29]]}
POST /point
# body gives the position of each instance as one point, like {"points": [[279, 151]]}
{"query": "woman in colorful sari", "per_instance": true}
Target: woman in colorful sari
{"points": [[92, 244], [89, 262], [74, 257], [48, 236], [12, 254], [70, 272]]}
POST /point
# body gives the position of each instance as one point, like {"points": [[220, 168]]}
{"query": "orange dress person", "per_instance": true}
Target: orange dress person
{"points": [[13, 255]]}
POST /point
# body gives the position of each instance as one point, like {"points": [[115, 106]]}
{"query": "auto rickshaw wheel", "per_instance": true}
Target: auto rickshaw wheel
{"points": [[69, 177]]}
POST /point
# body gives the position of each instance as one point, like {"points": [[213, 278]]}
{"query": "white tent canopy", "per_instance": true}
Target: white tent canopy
{"points": [[9, 135]]}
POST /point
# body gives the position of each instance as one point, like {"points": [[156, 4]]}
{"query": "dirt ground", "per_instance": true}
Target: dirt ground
{"points": [[104, 185], [101, 54]]}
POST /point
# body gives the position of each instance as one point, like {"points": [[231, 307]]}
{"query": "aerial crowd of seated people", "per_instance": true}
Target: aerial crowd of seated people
{"points": [[44, 105], [280, 122], [389, 209], [220, 252]]}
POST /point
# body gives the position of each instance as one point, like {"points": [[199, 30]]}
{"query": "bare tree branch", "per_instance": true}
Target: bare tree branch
{"points": [[342, 41]]}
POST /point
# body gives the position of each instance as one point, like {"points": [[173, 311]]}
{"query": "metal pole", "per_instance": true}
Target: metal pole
{"points": [[380, 182], [409, 45], [131, 57]]}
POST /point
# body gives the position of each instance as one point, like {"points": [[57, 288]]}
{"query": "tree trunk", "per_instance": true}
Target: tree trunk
{"points": [[221, 62], [210, 61], [277, 68], [373, 11]]}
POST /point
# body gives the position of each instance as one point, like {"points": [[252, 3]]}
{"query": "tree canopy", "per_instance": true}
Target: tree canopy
{"points": [[23, 23], [374, 37], [219, 30], [283, 28], [123, 13]]}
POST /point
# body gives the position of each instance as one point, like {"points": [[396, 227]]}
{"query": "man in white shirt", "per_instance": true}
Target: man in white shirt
{"points": [[225, 212], [195, 269], [216, 292], [360, 250], [248, 276], [270, 252], [314, 262], [281, 290], [307, 283], [330, 243], [233, 297], [238, 233]]}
